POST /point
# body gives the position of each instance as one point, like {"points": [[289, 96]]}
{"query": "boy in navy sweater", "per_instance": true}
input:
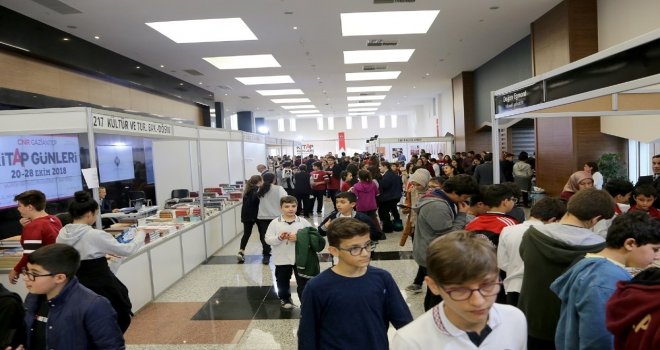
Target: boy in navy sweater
{"points": [[346, 209], [350, 293]]}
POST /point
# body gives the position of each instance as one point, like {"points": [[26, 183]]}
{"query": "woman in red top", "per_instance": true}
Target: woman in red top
{"points": [[39, 228]]}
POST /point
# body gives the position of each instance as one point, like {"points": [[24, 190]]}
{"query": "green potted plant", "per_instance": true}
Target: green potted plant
{"points": [[612, 166]]}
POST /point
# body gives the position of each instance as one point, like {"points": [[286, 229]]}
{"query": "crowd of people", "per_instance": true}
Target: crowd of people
{"points": [[576, 272]]}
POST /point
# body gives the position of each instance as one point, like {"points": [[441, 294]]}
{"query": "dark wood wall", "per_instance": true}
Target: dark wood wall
{"points": [[564, 34], [468, 135]]}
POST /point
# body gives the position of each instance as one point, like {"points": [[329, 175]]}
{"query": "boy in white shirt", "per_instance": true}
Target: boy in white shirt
{"points": [[281, 236], [462, 268]]}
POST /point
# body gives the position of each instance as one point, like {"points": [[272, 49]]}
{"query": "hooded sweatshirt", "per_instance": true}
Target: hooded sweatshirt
{"points": [[92, 243], [366, 192], [633, 312], [436, 215], [584, 290], [548, 251]]}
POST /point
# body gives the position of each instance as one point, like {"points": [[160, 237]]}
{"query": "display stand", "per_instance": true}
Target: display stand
{"points": [[413, 145], [623, 80]]}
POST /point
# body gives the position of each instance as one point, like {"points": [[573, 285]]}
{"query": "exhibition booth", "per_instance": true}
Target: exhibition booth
{"points": [[181, 184], [413, 146], [620, 84]]}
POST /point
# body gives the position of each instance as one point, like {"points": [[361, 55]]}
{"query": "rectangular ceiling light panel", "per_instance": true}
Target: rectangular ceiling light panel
{"points": [[368, 109], [204, 30], [387, 22], [243, 62], [365, 98], [364, 104], [298, 107], [280, 92], [273, 79], [309, 115], [291, 100], [361, 113], [377, 56], [372, 75], [304, 111], [382, 88]]}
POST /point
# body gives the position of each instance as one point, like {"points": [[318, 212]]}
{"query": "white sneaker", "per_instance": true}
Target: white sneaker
{"points": [[287, 304]]}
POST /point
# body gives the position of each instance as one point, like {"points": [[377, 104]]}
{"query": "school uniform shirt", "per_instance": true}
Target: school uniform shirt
{"points": [[317, 179], [508, 254], [284, 251], [36, 234], [433, 330]]}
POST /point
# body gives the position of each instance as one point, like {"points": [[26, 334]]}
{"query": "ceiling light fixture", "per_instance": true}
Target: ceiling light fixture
{"points": [[306, 111], [243, 62], [280, 92], [372, 76], [365, 98], [273, 79], [377, 56], [364, 104], [291, 100], [361, 113], [369, 88], [366, 109], [387, 22], [298, 107], [309, 115], [204, 30]]}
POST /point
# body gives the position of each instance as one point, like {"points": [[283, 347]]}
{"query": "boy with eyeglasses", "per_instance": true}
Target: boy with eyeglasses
{"points": [[60, 312], [350, 294], [462, 268]]}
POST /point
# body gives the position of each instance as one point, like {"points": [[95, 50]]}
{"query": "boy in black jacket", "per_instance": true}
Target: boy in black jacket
{"points": [[345, 208]]}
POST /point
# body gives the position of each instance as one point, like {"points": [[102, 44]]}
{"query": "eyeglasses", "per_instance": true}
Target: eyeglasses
{"points": [[33, 276], [355, 251], [486, 290], [514, 200]]}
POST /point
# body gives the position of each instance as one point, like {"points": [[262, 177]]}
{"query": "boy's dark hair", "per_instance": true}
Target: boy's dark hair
{"points": [[495, 194], [514, 188], [364, 175], [488, 157], [547, 208], [633, 224], [302, 167], [57, 258], [317, 164], [478, 197], [438, 179], [82, 204], [350, 196], [385, 164], [618, 187], [593, 166], [523, 156], [461, 256], [645, 190], [35, 198], [346, 228], [288, 199], [343, 175], [461, 184], [589, 203]]}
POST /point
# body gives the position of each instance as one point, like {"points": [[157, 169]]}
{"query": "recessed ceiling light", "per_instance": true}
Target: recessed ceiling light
{"points": [[97, 37], [369, 88], [365, 98], [362, 113], [162, 66], [243, 62], [280, 92], [137, 67], [295, 28], [306, 111], [204, 30], [200, 83], [65, 39], [372, 75], [309, 115], [387, 22], [291, 100], [364, 104], [298, 107], [273, 79], [362, 109], [377, 56]]}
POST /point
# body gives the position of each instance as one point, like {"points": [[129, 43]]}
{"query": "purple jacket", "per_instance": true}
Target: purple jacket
{"points": [[366, 196]]}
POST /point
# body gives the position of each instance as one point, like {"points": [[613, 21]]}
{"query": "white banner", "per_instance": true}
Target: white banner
{"points": [[109, 122], [47, 163]]}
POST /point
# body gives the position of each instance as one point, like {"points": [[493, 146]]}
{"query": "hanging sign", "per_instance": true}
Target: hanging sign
{"points": [[110, 122], [342, 140]]}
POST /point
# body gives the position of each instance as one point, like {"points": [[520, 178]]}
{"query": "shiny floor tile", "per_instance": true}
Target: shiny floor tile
{"points": [[245, 303]]}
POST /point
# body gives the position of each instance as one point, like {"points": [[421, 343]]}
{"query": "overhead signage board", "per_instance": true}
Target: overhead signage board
{"points": [[131, 125], [525, 97]]}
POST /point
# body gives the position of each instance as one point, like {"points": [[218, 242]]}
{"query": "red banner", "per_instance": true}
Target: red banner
{"points": [[342, 140]]}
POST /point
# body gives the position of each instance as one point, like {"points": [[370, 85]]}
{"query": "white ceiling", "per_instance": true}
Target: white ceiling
{"points": [[465, 34]]}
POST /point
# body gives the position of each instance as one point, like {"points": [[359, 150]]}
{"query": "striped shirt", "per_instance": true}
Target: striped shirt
{"points": [[36, 234]]}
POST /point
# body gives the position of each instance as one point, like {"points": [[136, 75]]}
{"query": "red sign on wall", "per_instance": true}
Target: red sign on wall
{"points": [[342, 140]]}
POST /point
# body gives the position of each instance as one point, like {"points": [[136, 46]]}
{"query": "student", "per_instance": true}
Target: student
{"points": [[318, 183], [462, 269], [390, 194], [438, 212], [633, 240], [620, 190], [592, 168], [548, 250], [39, 228], [346, 209], [350, 305], [366, 191], [644, 196], [303, 190], [269, 208], [60, 313], [333, 172], [633, 312], [12, 328], [249, 212], [500, 200], [346, 178], [547, 210], [93, 246], [415, 188], [477, 205], [653, 180], [281, 235]]}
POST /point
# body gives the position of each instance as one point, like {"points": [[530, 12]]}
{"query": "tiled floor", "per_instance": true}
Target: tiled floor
{"points": [[224, 305]]}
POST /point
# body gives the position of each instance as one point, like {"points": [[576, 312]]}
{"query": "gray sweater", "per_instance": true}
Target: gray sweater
{"points": [[269, 205]]}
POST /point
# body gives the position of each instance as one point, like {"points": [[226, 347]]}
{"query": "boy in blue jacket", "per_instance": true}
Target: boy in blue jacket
{"points": [[60, 312], [633, 240]]}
